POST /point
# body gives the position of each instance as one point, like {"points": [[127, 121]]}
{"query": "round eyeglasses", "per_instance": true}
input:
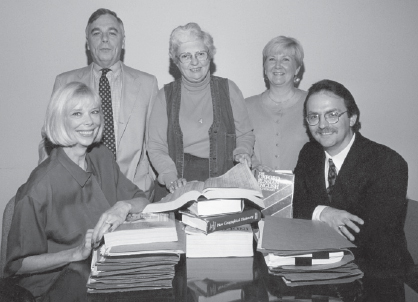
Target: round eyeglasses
{"points": [[186, 57], [331, 117]]}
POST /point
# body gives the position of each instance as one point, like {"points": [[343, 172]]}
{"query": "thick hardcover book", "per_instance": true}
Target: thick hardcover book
{"points": [[238, 182], [277, 189], [232, 242], [222, 222], [178, 247], [212, 207], [143, 228]]}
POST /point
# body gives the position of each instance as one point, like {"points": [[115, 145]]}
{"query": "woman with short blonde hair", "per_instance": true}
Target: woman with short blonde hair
{"points": [[277, 113], [72, 198]]}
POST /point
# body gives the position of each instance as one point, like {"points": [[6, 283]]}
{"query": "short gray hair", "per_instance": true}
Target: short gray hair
{"points": [[284, 43], [189, 32], [101, 12], [61, 101]]}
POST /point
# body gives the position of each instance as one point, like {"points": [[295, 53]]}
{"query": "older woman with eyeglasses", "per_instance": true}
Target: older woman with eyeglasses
{"points": [[277, 113], [72, 198], [199, 124]]}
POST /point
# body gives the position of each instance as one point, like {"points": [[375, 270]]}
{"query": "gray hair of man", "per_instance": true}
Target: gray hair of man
{"points": [[189, 33], [63, 99], [288, 45], [100, 12]]}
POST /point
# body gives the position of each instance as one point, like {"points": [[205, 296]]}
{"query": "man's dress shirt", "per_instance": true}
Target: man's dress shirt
{"points": [[371, 184]]}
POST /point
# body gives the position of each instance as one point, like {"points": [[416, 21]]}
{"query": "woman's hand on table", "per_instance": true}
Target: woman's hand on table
{"points": [[110, 220], [243, 158], [175, 184]]}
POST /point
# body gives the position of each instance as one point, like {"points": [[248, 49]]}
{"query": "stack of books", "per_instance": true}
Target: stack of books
{"points": [[214, 213], [306, 252], [226, 232], [130, 259]]}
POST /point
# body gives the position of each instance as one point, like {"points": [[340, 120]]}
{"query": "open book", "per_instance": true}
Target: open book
{"points": [[238, 182]]}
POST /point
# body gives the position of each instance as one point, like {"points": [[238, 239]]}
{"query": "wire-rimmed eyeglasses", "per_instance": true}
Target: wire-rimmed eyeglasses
{"points": [[186, 57], [331, 117]]}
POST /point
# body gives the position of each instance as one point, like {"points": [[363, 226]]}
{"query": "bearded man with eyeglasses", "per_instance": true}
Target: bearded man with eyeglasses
{"points": [[355, 185]]}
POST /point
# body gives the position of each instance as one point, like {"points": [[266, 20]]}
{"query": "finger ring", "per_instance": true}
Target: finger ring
{"points": [[108, 222], [340, 226]]}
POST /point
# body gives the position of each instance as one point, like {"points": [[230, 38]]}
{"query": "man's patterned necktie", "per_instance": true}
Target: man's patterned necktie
{"points": [[332, 176], [108, 138]]}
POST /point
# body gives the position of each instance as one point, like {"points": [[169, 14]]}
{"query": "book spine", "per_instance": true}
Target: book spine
{"points": [[217, 223]]}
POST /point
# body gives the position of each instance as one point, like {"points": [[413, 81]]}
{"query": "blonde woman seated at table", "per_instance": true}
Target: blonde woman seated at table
{"points": [[72, 198], [199, 124], [277, 113]]}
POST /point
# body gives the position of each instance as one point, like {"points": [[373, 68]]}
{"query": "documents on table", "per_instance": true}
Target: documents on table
{"points": [[133, 267], [306, 252], [284, 234]]}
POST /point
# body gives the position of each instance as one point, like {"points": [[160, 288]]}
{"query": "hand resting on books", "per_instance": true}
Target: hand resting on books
{"points": [[115, 216], [175, 184], [341, 221]]}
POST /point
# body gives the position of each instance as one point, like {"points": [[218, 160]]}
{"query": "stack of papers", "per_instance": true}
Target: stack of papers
{"points": [[233, 242], [133, 267], [305, 252]]}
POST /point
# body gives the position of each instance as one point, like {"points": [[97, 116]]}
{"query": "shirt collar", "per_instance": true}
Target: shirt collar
{"points": [[76, 172], [340, 157], [116, 68]]}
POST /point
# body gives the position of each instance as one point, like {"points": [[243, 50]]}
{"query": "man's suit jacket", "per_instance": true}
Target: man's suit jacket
{"points": [[371, 184], [138, 92]]}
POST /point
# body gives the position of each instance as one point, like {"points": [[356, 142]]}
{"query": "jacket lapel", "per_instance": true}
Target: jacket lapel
{"points": [[86, 75], [348, 176], [131, 86]]}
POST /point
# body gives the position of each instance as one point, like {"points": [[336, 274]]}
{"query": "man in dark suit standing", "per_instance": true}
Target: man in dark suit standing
{"points": [[127, 95], [355, 185]]}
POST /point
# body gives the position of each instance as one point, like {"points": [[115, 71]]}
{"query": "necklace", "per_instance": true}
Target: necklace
{"points": [[198, 110], [196, 93], [282, 102]]}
